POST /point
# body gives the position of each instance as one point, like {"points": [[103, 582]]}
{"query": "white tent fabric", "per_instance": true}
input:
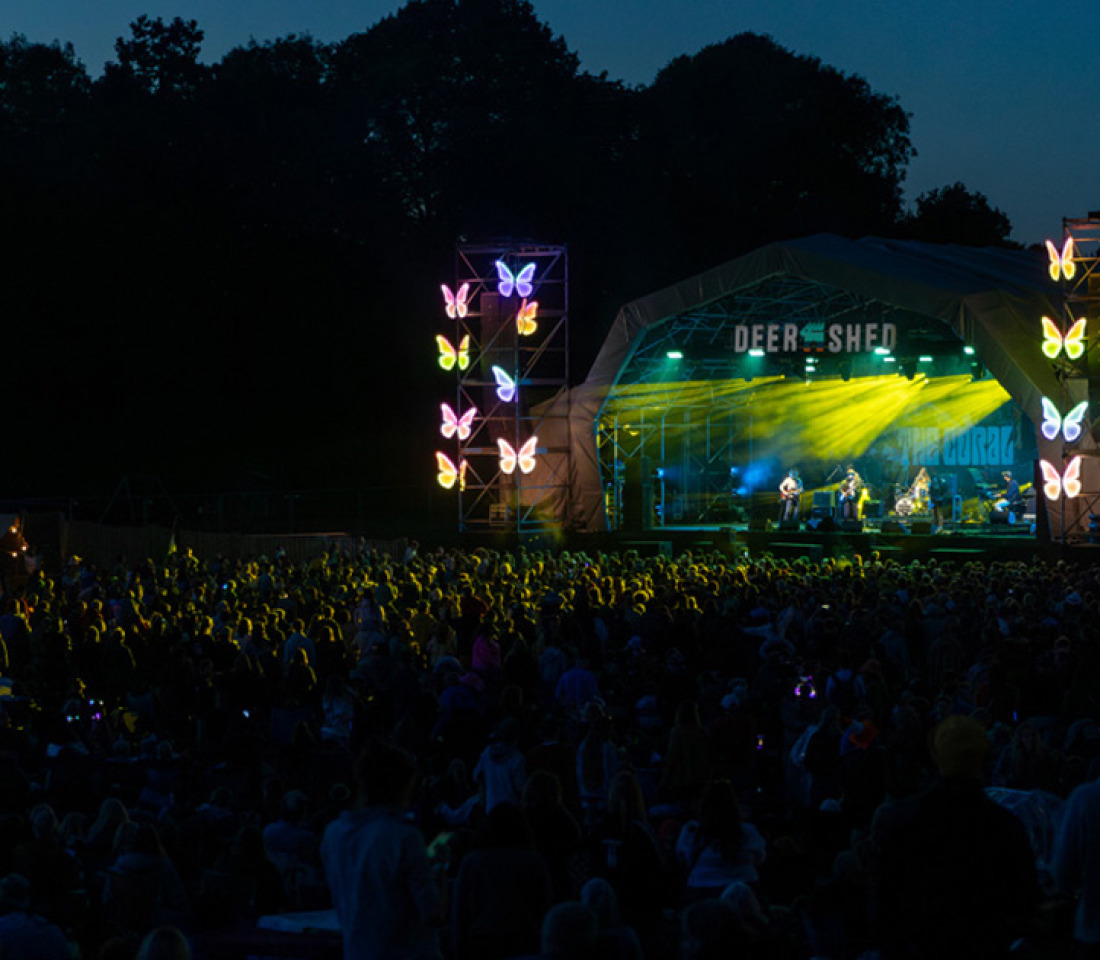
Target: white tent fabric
{"points": [[991, 298]]}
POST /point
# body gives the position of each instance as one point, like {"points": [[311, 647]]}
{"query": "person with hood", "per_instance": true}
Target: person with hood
{"points": [[501, 770]]}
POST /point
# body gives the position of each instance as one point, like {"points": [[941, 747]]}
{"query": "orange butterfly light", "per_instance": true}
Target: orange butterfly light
{"points": [[449, 356], [525, 458], [1055, 484], [1061, 263], [449, 473], [525, 318], [1074, 341]]}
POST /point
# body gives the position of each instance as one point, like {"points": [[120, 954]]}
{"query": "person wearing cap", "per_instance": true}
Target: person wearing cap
{"points": [[24, 934]]}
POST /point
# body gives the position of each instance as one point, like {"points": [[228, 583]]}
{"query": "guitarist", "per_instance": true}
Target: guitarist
{"points": [[850, 488], [790, 493]]}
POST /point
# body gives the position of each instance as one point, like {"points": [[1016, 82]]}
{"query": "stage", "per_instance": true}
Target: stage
{"points": [[890, 541]]}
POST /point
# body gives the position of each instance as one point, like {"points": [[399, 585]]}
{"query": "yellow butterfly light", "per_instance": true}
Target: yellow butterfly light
{"points": [[1061, 263], [525, 318], [1074, 341], [449, 473], [525, 457], [449, 356]]}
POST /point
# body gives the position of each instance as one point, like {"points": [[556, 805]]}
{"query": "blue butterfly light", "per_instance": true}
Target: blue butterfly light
{"points": [[515, 283]]}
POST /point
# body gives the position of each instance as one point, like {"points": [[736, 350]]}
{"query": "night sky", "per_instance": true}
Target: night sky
{"points": [[999, 92]]}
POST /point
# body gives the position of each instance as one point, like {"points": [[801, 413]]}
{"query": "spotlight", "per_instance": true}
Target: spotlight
{"points": [[675, 354], [968, 350]]}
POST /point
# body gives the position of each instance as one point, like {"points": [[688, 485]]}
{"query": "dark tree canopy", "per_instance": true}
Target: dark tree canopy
{"points": [[954, 214], [745, 142], [260, 241], [161, 59], [40, 84]]}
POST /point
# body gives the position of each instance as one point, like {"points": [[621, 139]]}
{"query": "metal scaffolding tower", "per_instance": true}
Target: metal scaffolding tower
{"points": [[516, 319], [1080, 378]]}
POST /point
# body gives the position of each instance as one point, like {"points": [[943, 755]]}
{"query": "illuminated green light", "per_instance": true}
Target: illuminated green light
{"points": [[756, 352], [968, 350], [675, 355], [882, 352], [924, 359], [888, 359]]}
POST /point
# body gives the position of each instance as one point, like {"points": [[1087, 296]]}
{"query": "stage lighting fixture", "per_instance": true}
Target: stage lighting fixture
{"points": [[968, 350], [756, 352], [883, 352], [675, 355]]}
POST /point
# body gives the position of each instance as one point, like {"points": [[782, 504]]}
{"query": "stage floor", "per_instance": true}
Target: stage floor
{"points": [[896, 541]]}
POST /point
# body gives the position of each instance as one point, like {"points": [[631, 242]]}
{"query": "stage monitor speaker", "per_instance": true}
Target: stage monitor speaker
{"points": [[758, 521], [824, 499], [788, 524], [921, 527], [851, 526], [822, 525], [892, 526], [872, 510]]}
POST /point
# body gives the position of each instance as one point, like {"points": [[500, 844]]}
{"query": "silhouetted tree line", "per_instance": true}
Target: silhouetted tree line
{"points": [[228, 274]]}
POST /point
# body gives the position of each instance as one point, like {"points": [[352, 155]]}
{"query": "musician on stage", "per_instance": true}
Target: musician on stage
{"points": [[921, 485], [1009, 499], [850, 488], [940, 496], [790, 495]]}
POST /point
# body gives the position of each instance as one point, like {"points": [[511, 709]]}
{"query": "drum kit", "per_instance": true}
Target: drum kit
{"points": [[908, 504]]}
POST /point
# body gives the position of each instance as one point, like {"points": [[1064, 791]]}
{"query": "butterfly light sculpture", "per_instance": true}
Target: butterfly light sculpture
{"points": [[453, 424], [449, 356], [506, 386], [456, 304], [510, 283], [449, 474], [1061, 262], [524, 457], [1073, 342], [525, 318], [1069, 426], [1055, 483]]}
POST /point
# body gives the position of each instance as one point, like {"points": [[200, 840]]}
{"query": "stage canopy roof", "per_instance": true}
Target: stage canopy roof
{"points": [[939, 297]]}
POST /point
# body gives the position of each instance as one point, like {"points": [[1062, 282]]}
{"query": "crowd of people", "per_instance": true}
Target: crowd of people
{"points": [[474, 753]]}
